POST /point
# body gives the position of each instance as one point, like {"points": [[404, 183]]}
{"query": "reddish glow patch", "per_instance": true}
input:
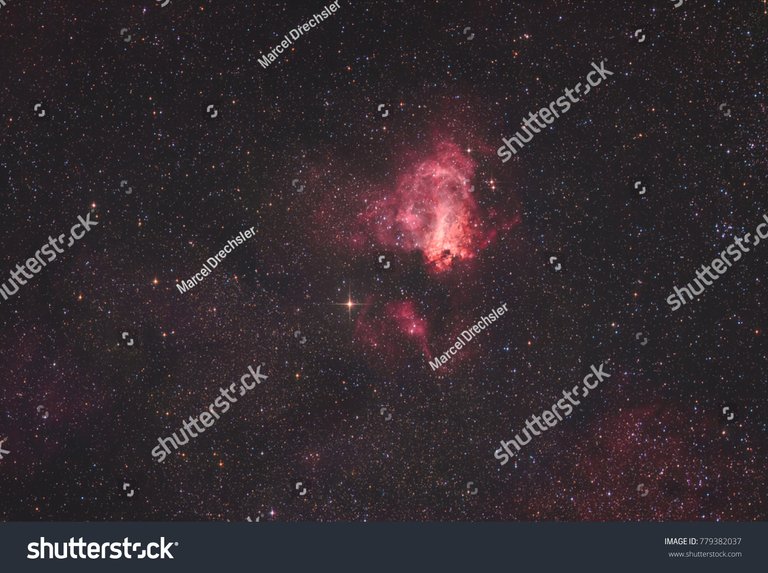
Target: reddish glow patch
{"points": [[432, 210], [387, 330], [409, 322]]}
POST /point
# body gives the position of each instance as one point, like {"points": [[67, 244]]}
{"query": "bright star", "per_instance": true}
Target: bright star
{"points": [[350, 304]]}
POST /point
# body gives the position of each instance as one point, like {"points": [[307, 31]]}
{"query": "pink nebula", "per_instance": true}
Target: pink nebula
{"points": [[432, 210]]}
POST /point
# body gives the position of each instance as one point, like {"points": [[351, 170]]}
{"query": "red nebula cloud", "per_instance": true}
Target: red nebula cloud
{"points": [[653, 445], [429, 209], [386, 330], [432, 210], [409, 322]]}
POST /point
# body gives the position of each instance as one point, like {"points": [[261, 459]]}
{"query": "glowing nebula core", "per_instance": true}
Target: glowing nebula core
{"points": [[432, 209]]}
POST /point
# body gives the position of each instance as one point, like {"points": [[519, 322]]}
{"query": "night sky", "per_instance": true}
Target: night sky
{"points": [[343, 333]]}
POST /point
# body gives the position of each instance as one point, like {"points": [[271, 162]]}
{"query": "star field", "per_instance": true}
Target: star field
{"points": [[420, 189]]}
